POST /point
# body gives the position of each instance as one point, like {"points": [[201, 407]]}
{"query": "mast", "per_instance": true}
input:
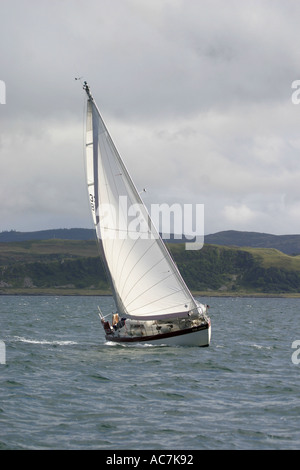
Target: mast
{"points": [[94, 198], [87, 89]]}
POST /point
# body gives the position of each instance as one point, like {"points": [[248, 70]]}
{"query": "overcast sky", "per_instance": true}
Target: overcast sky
{"points": [[197, 95]]}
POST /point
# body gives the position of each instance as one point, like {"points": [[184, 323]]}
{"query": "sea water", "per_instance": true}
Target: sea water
{"points": [[62, 386]]}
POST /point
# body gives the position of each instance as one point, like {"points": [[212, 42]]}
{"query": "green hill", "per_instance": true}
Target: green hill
{"points": [[289, 244], [51, 266], [238, 270], [74, 267], [60, 233]]}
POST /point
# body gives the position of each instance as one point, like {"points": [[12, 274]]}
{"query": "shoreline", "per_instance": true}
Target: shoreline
{"points": [[93, 293]]}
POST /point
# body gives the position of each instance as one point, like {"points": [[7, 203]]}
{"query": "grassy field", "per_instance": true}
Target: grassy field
{"points": [[72, 267], [270, 257], [43, 248]]}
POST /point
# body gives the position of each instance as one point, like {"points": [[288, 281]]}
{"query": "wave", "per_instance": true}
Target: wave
{"points": [[259, 346], [134, 345], [43, 341]]}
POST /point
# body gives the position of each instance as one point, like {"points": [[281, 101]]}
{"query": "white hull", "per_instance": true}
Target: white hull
{"points": [[189, 337], [198, 338]]}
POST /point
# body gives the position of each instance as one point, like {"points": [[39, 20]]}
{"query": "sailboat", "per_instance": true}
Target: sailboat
{"points": [[153, 303]]}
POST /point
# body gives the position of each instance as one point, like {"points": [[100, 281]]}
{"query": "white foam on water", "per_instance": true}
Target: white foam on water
{"points": [[43, 341]]}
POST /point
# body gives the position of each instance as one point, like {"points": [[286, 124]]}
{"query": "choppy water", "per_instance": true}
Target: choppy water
{"points": [[64, 387]]}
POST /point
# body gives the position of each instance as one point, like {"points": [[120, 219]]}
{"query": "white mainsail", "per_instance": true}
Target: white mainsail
{"points": [[145, 281]]}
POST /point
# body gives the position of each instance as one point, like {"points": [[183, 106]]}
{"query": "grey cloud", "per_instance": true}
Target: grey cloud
{"points": [[198, 90]]}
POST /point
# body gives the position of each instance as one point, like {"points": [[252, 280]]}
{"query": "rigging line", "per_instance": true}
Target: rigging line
{"points": [[119, 160], [173, 266], [116, 261], [121, 170], [112, 168], [91, 184], [108, 144], [128, 275], [104, 143], [124, 230], [151, 287], [125, 172], [96, 128], [160, 309], [125, 260], [140, 237], [145, 273], [152, 312], [104, 150], [136, 283]]}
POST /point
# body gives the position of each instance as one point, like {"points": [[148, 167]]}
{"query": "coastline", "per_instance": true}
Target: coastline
{"points": [[98, 293]]}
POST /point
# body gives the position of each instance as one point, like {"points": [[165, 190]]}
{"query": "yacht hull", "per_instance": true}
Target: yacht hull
{"points": [[195, 336]]}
